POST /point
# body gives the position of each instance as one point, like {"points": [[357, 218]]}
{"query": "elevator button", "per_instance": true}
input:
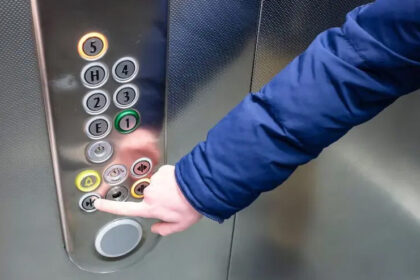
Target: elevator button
{"points": [[88, 180], [96, 102], [92, 46], [98, 127], [117, 193], [99, 152], [94, 75], [115, 174], [127, 121], [137, 189], [125, 69], [118, 238], [86, 202], [126, 96], [141, 167]]}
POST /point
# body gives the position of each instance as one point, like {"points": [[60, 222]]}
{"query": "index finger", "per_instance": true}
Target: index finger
{"points": [[131, 209]]}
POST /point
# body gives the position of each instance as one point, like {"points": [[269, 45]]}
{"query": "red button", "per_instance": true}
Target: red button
{"points": [[141, 167]]}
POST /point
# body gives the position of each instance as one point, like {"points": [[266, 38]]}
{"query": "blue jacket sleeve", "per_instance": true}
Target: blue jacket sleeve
{"points": [[346, 77]]}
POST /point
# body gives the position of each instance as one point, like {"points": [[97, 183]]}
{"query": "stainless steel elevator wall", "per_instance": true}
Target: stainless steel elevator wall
{"points": [[210, 65], [354, 212]]}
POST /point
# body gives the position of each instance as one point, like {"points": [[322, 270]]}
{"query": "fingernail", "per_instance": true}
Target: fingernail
{"points": [[97, 203]]}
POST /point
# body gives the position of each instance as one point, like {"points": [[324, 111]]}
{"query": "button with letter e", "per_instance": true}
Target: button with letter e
{"points": [[98, 127]]}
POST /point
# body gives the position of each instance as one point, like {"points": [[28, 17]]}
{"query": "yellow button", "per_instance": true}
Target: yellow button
{"points": [[137, 189], [88, 180], [92, 46]]}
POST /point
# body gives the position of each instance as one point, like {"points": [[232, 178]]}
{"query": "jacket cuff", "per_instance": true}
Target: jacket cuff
{"points": [[198, 193]]}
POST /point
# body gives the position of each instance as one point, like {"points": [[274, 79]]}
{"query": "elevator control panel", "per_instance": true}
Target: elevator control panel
{"points": [[103, 73]]}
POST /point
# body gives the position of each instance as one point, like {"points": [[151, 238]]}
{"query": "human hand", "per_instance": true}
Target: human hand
{"points": [[163, 200]]}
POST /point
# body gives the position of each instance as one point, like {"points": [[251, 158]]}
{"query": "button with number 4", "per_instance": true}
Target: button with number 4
{"points": [[127, 121], [126, 96], [92, 46], [125, 69]]}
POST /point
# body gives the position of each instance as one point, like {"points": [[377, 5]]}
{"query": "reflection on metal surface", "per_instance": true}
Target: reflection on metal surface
{"points": [[353, 213], [137, 33], [32, 219]]}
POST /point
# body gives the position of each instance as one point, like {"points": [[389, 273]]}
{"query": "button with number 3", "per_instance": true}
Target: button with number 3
{"points": [[92, 46], [126, 96]]}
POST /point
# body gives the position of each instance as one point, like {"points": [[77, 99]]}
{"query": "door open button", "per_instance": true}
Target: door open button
{"points": [[137, 189]]}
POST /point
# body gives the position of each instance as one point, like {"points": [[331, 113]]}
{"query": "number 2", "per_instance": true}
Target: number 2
{"points": [[97, 99]]}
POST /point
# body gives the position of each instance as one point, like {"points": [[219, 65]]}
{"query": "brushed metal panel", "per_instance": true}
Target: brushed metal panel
{"points": [[135, 29], [31, 246], [353, 212]]}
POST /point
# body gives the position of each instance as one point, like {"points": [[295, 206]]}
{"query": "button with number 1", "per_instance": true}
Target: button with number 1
{"points": [[127, 121]]}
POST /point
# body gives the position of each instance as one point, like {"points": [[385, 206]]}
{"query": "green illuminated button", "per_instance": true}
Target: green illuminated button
{"points": [[127, 121]]}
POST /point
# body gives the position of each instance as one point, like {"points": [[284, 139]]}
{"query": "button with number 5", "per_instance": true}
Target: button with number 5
{"points": [[96, 102], [126, 96], [92, 46]]}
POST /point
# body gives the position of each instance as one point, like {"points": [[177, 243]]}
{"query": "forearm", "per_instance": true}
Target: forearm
{"points": [[346, 77]]}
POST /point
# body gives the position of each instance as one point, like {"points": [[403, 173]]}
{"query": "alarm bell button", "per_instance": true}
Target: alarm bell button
{"points": [[88, 180]]}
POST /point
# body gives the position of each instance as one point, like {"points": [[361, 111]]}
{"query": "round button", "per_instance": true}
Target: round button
{"points": [[98, 127], [117, 193], [127, 121], [96, 102], [115, 174], [94, 75], [92, 46], [125, 69], [137, 189], [88, 180], [99, 152], [86, 202], [118, 238], [126, 96], [141, 167]]}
